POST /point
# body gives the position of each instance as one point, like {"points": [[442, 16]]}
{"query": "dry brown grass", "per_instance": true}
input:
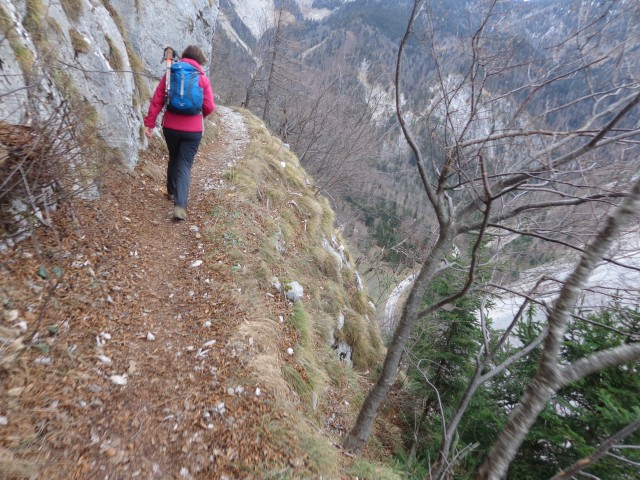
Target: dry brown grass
{"points": [[73, 8], [273, 188], [11, 468], [11, 346], [79, 43]]}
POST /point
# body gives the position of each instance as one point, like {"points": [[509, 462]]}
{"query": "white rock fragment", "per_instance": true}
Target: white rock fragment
{"points": [[104, 359], [151, 337], [196, 263], [22, 326], [102, 339], [202, 353], [283, 164], [12, 315], [290, 351], [194, 228], [209, 343], [184, 472], [43, 361], [251, 341], [207, 324], [280, 318], [119, 379], [16, 391], [258, 392], [4, 421]]}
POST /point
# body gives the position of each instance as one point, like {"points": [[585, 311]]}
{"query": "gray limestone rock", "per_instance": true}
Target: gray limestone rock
{"points": [[293, 291], [102, 37]]}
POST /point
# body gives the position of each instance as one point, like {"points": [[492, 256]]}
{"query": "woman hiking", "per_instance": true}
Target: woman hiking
{"points": [[182, 131]]}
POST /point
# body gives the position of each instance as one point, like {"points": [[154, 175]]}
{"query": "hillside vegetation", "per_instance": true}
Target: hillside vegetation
{"points": [[115, 279]]}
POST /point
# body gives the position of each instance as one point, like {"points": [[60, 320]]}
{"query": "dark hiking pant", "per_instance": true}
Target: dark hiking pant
{"points": [[182, 150]]}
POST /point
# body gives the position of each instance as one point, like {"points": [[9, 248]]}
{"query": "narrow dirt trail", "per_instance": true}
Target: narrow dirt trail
{"points": [[143, 381]]}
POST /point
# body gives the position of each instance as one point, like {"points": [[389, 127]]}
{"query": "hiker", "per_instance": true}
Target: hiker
{"points": [[182, 131]]}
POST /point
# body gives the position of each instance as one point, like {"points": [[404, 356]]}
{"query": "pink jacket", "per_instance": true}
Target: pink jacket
{"points": [[175, 121]]}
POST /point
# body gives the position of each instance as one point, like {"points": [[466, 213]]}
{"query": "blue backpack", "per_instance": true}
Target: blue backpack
{"points": [[185, 93]]}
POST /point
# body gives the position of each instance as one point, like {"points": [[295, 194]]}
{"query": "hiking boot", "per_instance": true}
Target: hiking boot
{"points": [[179, 213]]}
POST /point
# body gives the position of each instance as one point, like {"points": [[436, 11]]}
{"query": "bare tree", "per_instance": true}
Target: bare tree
{"points": [[519, 155], [275, 49], [332, 133]]}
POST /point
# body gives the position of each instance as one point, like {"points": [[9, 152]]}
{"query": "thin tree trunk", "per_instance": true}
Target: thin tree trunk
{"points": [[272, 67], [249, 92], [548, 378], [361, 431], [600, 452]]}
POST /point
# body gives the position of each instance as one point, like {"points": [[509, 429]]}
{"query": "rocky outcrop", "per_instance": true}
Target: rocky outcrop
{"points": [[101, 55]]}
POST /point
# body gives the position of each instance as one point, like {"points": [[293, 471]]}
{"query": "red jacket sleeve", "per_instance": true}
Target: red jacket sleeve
{"points": [[156, 104], [208, 105]]}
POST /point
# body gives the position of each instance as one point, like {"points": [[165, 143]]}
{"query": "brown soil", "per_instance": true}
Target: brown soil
{"points": [[189, 408]]}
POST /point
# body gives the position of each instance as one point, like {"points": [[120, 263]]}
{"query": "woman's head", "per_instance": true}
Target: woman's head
{"points": [[194, 53]]}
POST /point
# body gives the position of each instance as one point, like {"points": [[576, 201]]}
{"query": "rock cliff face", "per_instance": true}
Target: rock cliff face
{"points": [[105, 54]]}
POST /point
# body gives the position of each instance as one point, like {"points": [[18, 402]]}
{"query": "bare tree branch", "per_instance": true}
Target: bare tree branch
{"points": [[599, 361], [599, 452]]}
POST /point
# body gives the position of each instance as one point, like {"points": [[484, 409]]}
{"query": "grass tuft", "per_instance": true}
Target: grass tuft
{"points": [[367, 352], [79, 43], [115, 57], [72, 8], [136, 64], [24, 56], [300, 321], [364, 469], [360, 302], [34, 16]]}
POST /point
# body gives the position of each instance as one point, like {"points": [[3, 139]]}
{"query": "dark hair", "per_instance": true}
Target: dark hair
{"points": [[194, 53]]}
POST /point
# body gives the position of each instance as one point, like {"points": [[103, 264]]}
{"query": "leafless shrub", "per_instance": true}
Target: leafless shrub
{"points": [[41, 165]]}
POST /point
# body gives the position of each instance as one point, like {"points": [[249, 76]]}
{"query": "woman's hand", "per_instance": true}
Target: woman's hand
{"points": [[148, 131]]}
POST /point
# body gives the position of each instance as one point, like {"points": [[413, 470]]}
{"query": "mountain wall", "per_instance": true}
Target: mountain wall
{"points": [[105, 55]]}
